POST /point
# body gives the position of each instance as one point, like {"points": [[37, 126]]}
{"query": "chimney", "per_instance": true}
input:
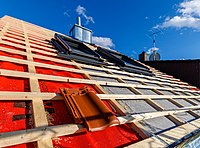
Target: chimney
{"points": [[81, 33], [143, 57]]}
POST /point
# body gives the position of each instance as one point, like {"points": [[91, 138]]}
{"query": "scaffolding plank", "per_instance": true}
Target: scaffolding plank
{"points": [[38, 133]]}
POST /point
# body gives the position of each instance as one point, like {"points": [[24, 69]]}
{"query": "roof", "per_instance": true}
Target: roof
{"points": [[152, 108], [186, 70], [181, 60]]}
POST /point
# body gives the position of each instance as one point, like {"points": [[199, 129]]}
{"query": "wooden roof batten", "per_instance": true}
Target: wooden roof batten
{"points": [[87, 66], [40, 118], [42, 133], [73, 70]]}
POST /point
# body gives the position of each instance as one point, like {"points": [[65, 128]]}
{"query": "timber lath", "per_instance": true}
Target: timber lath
{"points": [[33, 42]]}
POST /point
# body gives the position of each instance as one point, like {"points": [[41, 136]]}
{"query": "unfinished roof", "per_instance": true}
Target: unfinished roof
{"points": [[148, 108]]}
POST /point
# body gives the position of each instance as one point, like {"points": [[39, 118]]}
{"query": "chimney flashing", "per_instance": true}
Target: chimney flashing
{"points": [[81, 33]]}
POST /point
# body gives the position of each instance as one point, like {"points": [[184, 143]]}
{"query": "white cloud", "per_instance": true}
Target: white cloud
{"points": [[188, 16], [167, 18], [82, 11], [151, 50], [183, 21], [191, 7], [103, 41]]}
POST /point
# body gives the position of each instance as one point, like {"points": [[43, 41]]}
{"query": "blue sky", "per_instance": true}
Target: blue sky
{"points": [[124, 25]]}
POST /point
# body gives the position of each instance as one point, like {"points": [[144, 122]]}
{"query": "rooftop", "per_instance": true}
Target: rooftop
{"points": [[45, 75]]}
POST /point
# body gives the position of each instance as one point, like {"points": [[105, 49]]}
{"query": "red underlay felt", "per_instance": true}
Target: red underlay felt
{"points": [[58, 73], [39, 43], [110, 137], [7, 111], [40, 48], [117, 136], [12, 47], [14, 84], [52, 86], [7, 54], [52, 63], [43, 54], [13, 66], [15, 42], [57, 112]]}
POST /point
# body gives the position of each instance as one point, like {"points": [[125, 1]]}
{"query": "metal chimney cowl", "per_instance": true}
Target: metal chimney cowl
{"points": [[81, 33]]}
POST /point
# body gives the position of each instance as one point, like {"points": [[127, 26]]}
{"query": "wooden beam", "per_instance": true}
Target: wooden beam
{"points": [[7, 95], [30, 62], [23, 47], [28, 31], [31, 44], [116, 71], [171, 117], [169, 137], [34, 85], [12, 73], [180, 105], [3, 31], [150, 115], [38, 133], [175, 119], [43, 132], [87, 66], [154, 104], [136, 126], [140, 97], [39, 113], [13, 51]]}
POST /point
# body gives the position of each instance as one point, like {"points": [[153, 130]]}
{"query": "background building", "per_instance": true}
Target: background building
{"points": [[186, 70]]}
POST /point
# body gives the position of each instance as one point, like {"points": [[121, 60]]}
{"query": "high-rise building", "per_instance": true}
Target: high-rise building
{"points": [[57, 91]]}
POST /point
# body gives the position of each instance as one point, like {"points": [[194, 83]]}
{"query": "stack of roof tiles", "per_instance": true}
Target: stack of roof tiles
{"points": [[153, 109]]}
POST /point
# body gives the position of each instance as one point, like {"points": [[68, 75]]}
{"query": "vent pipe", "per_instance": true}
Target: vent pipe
{"points": [[79, 20]]}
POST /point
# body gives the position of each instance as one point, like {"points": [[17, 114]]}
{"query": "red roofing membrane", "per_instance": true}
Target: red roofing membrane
{"points": [[57, 112]]}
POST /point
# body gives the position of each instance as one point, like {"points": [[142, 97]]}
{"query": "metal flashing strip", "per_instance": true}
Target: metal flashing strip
{"points": [[124, 62], [77, 51], [86, 107], [59, 38]]}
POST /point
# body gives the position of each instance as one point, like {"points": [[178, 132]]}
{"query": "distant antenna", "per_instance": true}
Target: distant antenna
{"points": [[154, 56], [153, 36]]}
